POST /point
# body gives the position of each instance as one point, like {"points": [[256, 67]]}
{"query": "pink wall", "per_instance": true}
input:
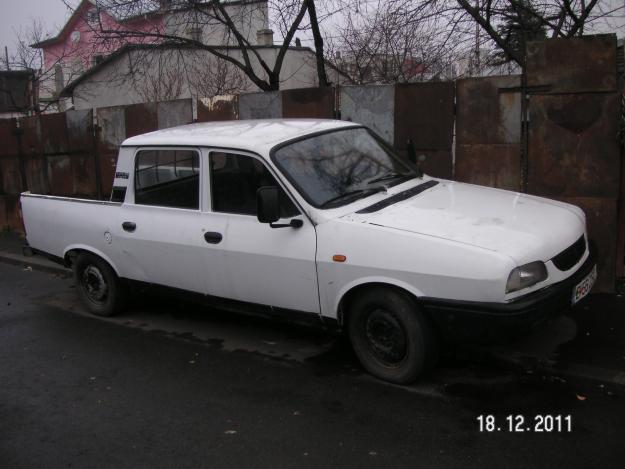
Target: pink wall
{"points": [[90, 43]]}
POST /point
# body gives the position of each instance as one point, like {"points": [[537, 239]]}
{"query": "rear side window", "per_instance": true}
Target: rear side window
{"points": [[168, 178], [235, 180]]}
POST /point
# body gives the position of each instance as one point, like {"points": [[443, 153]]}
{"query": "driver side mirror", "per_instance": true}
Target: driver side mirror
{"points": [[268, 204], [268, 208]]}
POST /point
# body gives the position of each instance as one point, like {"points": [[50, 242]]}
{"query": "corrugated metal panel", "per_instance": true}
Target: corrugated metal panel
{"points": [[573, 145], [267, 105], [174, 113], [438, 163], [79, 130], [32, 139], [13, 212], [424, 113], [60, 175], [83, 176], [371, 105], [140, 118], [219, 108], [54, 133], [108, 162], [494, 165], [308, 102], [112, 123], [487, 111], [37, 175], [11, 180], [574, 64], [7, 137]]}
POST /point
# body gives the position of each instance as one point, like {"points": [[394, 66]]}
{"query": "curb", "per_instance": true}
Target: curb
{"points": [[34, 263]]}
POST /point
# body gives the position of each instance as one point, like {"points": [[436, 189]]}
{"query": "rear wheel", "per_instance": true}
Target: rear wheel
{"points": [[391, 336], [98, 286]]}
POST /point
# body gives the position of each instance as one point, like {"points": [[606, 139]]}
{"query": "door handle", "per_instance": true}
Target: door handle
{"points": [[129, 226], [213, 237]]}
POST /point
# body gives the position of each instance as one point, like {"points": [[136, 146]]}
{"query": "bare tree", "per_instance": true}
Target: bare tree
{"points": [[158, 76], [558, 18], [190, 21], [411, 40], [391, 42], [25, 57]]}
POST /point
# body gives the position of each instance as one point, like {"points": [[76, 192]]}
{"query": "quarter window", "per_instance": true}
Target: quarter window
{"points": [[235, 180], [168, 178]]}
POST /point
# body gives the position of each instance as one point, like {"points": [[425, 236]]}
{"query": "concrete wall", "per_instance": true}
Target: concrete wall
{"points": [[158, 75]]}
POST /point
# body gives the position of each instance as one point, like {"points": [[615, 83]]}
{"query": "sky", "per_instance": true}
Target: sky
{"points": [[18, 14]]}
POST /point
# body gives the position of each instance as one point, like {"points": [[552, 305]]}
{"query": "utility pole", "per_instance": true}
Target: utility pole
{"points": [[6, 56]]}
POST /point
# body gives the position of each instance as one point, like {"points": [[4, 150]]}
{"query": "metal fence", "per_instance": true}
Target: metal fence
{"points": [[555, 132]]}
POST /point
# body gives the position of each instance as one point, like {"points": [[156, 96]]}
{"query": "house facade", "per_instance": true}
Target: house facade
{"points": [[151, 73], [93, 33]]}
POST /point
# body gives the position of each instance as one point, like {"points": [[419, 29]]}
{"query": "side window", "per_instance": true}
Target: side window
{"points": [[168, 178], [235, 180]]}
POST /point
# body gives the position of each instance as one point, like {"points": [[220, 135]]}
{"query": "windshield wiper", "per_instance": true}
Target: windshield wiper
{"points": [[356, 192], [389, 176]]}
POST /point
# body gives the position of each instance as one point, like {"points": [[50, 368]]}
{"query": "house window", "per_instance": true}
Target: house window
{"points": [[195, 33], [93, 17], [59, 82], [75, 36], [76, 68]]}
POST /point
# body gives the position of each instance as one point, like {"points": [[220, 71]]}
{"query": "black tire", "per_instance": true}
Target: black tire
{"points": [[391, 336], [98, 286]]}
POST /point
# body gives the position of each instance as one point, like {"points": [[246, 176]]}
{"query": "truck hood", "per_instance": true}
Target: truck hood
{"points": [[523, 227]]}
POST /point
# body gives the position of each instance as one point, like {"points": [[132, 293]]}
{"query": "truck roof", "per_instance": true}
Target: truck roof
{"points": [[244, 134]]}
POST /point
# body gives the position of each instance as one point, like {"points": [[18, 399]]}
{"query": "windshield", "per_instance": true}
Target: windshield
{"points": [[336, 168]]}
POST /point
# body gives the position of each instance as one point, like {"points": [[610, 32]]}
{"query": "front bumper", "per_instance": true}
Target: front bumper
{"points": [[472, 321]]}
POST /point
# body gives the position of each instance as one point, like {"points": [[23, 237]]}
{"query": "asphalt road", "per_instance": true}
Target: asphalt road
{"points": [[177, 385]]}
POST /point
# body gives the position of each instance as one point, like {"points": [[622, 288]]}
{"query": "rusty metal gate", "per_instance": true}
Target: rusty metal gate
{"points": [[554, 133], [48, 154], [573, 138], [488, 132], [568, 145], [65, 154], [424, 119]]}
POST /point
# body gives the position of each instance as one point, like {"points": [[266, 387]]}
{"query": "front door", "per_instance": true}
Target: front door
{"points": [[263, 265]]}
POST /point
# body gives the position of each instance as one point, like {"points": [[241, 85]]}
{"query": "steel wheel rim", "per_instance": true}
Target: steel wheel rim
{"points": [[94, 285], [386, 337]]}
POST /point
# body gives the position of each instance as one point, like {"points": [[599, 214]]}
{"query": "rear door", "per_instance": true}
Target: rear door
{"points": [[161, 226], [263, 265]]}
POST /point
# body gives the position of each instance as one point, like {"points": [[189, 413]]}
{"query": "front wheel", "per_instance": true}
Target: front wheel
{"points": [[391, 337], [98, 286]]}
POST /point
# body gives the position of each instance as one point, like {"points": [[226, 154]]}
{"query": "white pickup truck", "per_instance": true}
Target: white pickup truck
{"points": [[319, 219]]}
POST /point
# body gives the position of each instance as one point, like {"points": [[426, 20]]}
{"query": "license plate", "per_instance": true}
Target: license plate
{"points": [[583, 288]]}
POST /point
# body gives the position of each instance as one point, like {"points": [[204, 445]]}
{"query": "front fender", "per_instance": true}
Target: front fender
{"points": [[378, 280]]}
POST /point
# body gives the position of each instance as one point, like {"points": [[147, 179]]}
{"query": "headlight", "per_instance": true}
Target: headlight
{"points": [[526, 276]]}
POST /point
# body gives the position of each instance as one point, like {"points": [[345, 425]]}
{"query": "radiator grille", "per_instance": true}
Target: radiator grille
{"points": [[571, 255]]}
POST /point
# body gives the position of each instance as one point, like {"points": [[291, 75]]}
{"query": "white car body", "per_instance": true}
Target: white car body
{"points": [[453, 242]]}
